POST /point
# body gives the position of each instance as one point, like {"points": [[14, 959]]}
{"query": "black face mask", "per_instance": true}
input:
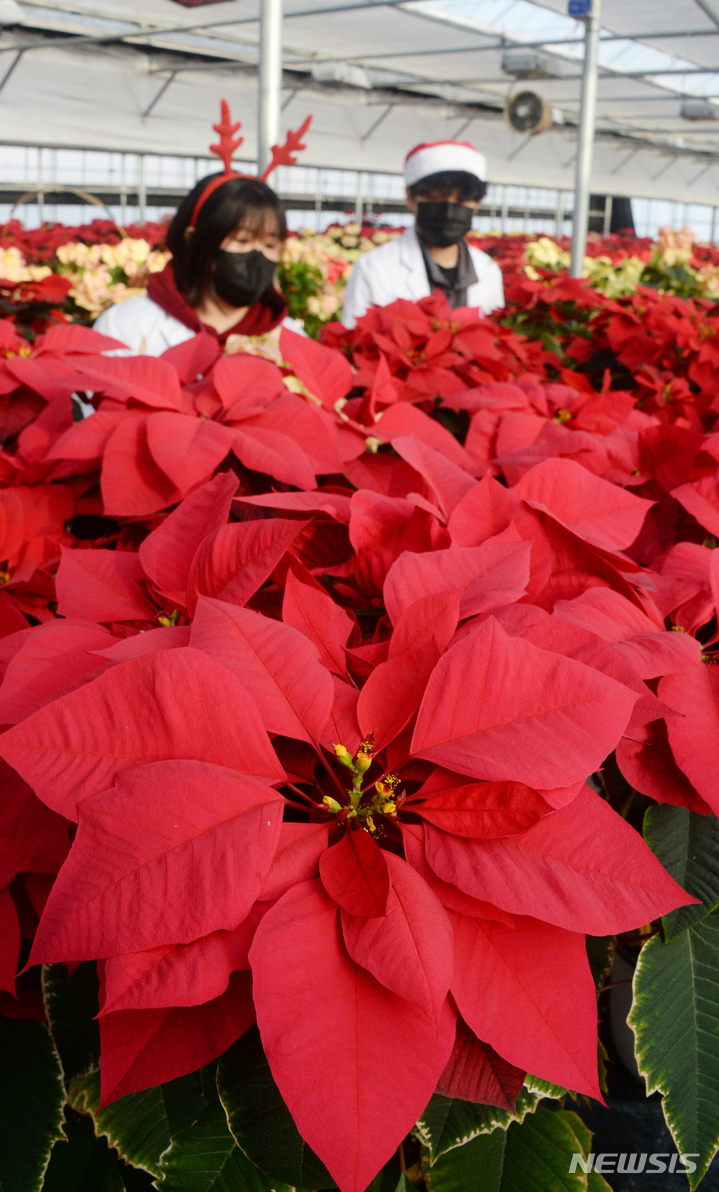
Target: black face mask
{"points": [[442, 224], [241, 278]]}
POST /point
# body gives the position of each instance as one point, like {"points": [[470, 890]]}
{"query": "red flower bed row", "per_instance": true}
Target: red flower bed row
{"points": [[39, 245], [325, 654]]}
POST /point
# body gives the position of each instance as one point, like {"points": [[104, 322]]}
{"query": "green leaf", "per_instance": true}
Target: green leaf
{"points": [[448, 1122], [535, 1154], [387, 1180], [142, 1125], [82, 1162], [534, 1085], [600, 952], [539, 1152], [188, 1096], [138, 1126], [205, 1158], [71, 1003], [477, 1164], [675, 1019], [595, 1180], [687, 845], [32, 1097], [261, 1123]]}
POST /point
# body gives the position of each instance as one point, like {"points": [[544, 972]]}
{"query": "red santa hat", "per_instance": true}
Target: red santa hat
{"points": [[434, 156]]}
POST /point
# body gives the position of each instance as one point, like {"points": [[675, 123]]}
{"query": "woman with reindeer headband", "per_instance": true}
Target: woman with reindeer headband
{"points": [[226, 239]]}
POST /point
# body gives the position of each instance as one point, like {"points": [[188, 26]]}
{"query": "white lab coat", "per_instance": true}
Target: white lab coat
{"points": [[397, 270], [148, 330]]}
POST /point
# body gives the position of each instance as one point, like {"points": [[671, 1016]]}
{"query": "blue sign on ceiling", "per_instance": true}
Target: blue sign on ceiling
{"points": [[579, 8]]}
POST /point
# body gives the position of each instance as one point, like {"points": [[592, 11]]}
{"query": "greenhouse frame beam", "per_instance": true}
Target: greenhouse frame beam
{"points": [[505, 43], [11, 68], [153, 102], [383, 116], [500, 42], [710, 11], [413, 80], [604, 73], [159, 31]]}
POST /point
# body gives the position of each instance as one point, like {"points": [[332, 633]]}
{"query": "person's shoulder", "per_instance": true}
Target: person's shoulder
{"points": [[128, 313], [138, 323], [483, 259], [141, 307], [379, 256], [293, 325]]}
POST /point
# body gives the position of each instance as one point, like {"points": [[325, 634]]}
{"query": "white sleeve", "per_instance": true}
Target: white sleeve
{"points": [[497, 298], [293, 325], [107, 324], [358, 295]]}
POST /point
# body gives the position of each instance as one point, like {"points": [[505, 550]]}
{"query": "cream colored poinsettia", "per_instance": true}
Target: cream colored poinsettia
{"points": [[673, 248], [104, 274], [13, 267]]}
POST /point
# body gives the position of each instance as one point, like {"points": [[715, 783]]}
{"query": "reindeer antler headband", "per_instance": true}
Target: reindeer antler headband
{"points": [[281, 155]]}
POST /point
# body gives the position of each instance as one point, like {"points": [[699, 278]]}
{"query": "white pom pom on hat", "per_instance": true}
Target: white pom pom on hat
{"points": [[434, 156]]}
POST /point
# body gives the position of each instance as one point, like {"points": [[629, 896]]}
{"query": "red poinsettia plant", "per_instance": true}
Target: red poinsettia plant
{"points": [[309, 728], [359, 867]]}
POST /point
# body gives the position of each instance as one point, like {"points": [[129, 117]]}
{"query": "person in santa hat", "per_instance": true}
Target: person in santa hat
{"points": [[445, 180]]}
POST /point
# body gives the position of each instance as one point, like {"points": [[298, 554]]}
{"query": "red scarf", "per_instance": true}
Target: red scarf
{"points": [[257, 320]]}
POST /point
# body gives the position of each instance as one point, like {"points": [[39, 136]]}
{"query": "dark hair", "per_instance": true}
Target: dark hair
{"points": [[239, 202], [470, 188]]}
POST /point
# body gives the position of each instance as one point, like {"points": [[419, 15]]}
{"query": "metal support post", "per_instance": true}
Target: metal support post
{"points": [[40, 190], [123, 188], [268, 127], [358, 200], [559, 215], [142, 189], [713, 227], [586, 140], [318, 200], [608, 204]]}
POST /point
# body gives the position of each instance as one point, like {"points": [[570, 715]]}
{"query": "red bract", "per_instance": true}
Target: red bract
{"points": [[33, 840], [49, 367], [36, 385], [193, 551], [155, 442], [429, 350]]}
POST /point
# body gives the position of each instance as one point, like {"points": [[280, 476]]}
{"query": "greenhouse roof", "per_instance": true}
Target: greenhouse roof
{"points": [[145, 75]]}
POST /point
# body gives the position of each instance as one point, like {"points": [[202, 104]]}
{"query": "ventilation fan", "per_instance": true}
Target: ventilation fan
{"points": [[527, 112]]}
